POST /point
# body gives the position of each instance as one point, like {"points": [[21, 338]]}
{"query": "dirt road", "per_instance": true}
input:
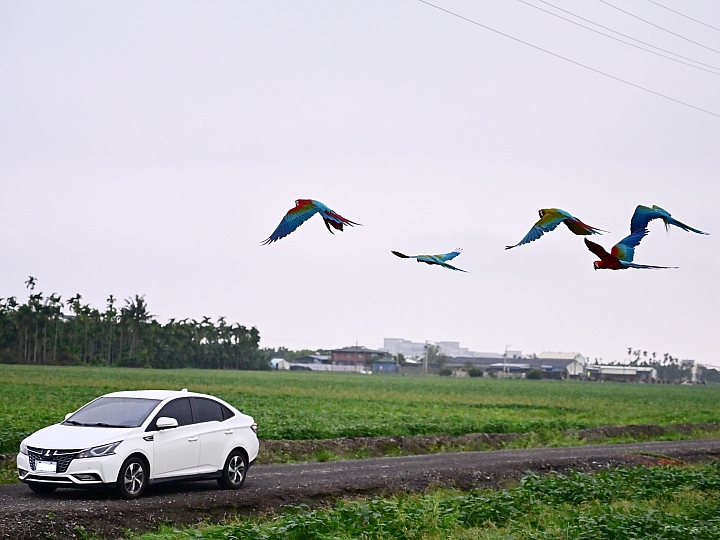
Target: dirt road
{"points": [[24, 515]]}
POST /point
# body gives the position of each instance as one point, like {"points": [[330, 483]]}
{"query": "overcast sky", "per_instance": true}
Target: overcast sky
{"points": [[148, 147]]}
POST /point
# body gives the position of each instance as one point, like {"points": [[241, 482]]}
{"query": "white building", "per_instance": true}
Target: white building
{"points": [[409, 349], [413, 349], [279, 363]]}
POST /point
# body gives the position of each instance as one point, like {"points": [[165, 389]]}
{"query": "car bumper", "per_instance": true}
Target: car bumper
{"points": [[81, 473]]}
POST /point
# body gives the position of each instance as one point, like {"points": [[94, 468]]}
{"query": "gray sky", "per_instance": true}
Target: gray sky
{"points": [[148, 147]]}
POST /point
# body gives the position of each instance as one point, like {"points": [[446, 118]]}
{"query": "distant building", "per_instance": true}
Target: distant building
{"points": [[385, 366], [452, 348], [409, 349], [697, 371], [279, 363], [621, 373], [312, 359], [554, 365], [350, 356], [413, 349], [359, 368]]}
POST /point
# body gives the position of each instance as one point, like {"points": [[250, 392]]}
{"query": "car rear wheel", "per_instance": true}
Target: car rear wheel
{"points": [[234, 471], [42, 489], [132, 478]]}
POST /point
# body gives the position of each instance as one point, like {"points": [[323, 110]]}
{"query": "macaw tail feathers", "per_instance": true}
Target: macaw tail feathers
{"points": [[580, 228], [401, 255], [647, 266], [336, 221], [338, 226]]}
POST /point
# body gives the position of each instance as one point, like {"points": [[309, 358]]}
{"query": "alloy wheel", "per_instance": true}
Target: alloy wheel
{"points": [[134, 478], [236, 469]]}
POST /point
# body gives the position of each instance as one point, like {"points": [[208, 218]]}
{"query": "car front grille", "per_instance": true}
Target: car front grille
{"points": [[61, 457]]}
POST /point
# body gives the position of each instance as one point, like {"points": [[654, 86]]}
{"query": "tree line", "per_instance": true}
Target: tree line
{"points": [[47, 330], [668, 367]]}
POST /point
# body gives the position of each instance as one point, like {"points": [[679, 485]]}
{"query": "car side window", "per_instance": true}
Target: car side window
{"points": [[207, 410], [227, 413], [179, 409]]}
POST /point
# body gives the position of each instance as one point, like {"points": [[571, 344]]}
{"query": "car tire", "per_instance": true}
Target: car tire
{"points": [[42, 489], [132, 478], [234, 471]]}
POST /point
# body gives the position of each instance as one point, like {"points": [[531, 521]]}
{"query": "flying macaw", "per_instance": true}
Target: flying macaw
{"points": [[622, 253], [440, 260], [550, 218], [644, 215], [304, 210]]}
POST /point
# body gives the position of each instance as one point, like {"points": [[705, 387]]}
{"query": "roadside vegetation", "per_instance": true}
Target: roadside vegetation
{"points": [[652, 503]]}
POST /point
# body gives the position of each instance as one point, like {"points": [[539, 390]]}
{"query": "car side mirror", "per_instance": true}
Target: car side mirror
{"points": [[68, 415], [165, 422]]}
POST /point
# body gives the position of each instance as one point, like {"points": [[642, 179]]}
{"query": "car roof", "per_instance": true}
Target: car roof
{"points": [[155, 394]]}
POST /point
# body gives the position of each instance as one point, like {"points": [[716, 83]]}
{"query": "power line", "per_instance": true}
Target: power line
{"points": [[568, 59], [683, 15], [617, 39], [658, 26], [626, 36]]}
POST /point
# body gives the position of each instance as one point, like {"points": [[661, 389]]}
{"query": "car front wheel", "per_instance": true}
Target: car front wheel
{"points": [[132, 478], [234, 471]]}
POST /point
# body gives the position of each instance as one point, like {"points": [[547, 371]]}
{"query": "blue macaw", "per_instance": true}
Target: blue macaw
{"points": [[644, 215], [440, 260]]}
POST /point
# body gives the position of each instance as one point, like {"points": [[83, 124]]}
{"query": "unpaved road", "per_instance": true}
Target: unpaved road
{"points": [[24, 515]]}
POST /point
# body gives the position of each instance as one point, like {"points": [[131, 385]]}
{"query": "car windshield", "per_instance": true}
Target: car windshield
{"points": [[113, 412]]}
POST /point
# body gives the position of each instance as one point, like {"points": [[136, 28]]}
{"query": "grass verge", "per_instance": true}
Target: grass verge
{"points": [[656, 503]]}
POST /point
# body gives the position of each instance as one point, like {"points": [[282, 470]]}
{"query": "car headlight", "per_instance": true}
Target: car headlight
{"points": [[99, 451], [23, 448]]}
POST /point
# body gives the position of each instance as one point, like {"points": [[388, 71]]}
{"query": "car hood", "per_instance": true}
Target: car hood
{"points": [[60, 437]]}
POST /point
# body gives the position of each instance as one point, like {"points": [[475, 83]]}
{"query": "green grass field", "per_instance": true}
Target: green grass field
{"points": [[658, 503], [292, 405]]}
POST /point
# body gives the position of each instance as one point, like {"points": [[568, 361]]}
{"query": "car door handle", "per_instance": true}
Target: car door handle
{"points": [[192, 439], [228, 432]]}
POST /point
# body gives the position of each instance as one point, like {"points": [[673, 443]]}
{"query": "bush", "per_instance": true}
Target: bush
{"points": [[445, 372], [475, 372], [534, 374]]}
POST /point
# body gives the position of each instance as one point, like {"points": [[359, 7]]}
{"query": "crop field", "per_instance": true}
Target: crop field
{"points": [[303, 405], [658, 503]]}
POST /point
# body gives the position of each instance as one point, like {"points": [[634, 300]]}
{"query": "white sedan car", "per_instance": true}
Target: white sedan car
{"points": [[127, 440]]}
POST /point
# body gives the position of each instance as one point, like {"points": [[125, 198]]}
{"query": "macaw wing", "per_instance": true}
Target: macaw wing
{"points": [[292, 220], [624, 250], [644, 215], [669, 220], [598, 250], [437, 259], [448, 256], [552, 218], [451, 267]]}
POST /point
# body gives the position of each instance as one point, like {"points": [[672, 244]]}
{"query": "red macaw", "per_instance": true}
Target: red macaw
{"points": [[622, 253], [304, 210]]}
